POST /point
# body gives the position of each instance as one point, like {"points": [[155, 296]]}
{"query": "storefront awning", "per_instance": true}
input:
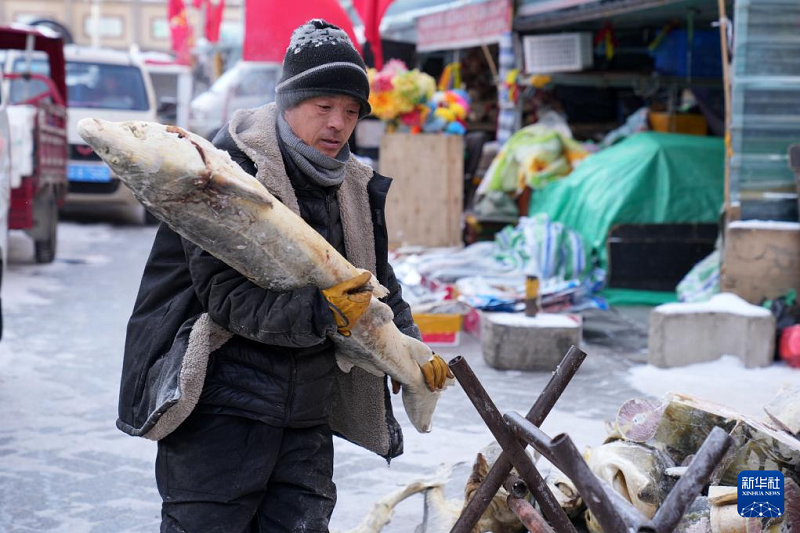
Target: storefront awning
{"points": [[465, 26], [555, 15]]}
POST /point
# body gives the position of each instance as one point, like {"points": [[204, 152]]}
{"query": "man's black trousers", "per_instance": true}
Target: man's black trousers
{"points": [[229, 474]]}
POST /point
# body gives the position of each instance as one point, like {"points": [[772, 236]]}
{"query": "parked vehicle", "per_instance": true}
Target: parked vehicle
{"points": [[37, 116], [5, 191], [172, 85], [105, 84], [113, 86], [246, 84]]}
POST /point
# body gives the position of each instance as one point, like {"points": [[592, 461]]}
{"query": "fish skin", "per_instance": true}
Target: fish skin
{"points": [[565, 493], [636, 471], [784, 410], [208, 199], [440, 515]]}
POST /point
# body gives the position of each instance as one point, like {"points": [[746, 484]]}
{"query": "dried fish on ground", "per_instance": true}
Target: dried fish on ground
{"points": [[566, 493], [784, 410], [635, 471], [686, 423]]}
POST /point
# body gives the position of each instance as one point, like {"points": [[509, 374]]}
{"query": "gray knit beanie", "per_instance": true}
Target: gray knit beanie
{"points": [[321, 60]]}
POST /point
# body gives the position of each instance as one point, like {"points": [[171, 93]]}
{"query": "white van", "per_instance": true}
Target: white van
{"points": [[110, 85], [247, 84]]}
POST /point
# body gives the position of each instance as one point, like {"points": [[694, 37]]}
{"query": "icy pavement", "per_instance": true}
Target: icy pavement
{"points": [[65, 468]]}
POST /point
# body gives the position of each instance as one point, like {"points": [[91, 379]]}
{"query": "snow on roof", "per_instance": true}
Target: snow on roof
{"points": [[721, 303], [765, 224], [104, 55]]}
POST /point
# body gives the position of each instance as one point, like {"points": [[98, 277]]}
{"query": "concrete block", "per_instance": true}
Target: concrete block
{"points": [[513, 341], [684, 334], [761, 259]]}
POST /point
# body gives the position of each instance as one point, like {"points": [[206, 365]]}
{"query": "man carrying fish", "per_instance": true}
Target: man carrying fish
{"points": [[256, 453]]}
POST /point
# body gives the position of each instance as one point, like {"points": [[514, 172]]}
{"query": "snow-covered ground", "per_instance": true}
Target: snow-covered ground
{"points": [[65, 468]]}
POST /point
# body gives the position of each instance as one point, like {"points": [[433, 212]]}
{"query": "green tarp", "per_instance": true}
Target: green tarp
{"points": [[648, 178], [630, 297]]}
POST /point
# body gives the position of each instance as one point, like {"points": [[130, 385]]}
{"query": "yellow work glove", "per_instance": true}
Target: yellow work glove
{"points": [[436, 373], [349, 300]]}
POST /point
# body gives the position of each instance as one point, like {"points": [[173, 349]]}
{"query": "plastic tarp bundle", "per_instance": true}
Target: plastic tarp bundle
{"points": [[702, 281], [543, 248], [649, 178], [491, 275], [534, 156]]}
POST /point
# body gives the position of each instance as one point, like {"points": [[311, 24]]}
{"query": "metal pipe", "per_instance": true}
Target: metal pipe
{"points": [[568, 459], [516, 452], [561, 377], [530, 517], [515, 487], [692, 482], [531, 435]]}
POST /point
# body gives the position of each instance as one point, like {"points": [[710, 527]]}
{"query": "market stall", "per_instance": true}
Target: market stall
{"points": [[438, 112]]}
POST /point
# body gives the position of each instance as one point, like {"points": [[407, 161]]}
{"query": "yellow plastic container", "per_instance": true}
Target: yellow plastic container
{"points": [[687, 123], [439, 329]]}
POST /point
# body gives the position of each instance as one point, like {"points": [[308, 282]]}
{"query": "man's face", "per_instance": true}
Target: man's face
{"points": [[324, 122]]}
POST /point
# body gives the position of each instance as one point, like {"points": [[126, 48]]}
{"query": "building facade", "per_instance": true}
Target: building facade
{"points": [[118, 23]]}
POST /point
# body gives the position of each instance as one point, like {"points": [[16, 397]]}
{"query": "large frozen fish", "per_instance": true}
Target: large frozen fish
{"points": [[636, 471], [497, 518], [439, 514], [565, 492], [784, 410], [208, 199], [381, 513]]}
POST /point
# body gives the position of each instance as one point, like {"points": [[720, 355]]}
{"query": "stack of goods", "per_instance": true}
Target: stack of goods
{"points": [[534, 156], [407, 101], [652, 442], [490, 276]]}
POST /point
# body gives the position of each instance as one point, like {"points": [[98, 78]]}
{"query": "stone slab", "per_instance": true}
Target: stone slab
{"points": [[761, 259], [685, 334], [512, 341]]}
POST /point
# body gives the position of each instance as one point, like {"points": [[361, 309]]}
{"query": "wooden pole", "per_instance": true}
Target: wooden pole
{"points": [[731, 214]]}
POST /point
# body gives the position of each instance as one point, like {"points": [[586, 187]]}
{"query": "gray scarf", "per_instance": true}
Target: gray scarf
{"points": [[321, 169]]}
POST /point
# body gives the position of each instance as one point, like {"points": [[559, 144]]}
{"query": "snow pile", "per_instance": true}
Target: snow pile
{"points": [[725, 381], [720, 303]]}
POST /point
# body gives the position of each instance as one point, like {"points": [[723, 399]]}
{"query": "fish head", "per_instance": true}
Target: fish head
{"points": [[144, 154], [161, 163]]}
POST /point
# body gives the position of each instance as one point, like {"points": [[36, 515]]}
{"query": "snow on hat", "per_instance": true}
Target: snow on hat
{"points": [[321, 60]]}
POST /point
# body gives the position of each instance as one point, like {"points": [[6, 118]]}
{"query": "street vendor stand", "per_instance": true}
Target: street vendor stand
{"points": [[597, 63], [429, 170]]}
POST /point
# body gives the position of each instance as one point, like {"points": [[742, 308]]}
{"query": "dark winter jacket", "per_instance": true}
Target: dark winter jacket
{"points": [[278, 366]]}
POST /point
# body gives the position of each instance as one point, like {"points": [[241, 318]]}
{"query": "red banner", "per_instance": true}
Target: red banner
{"points": [[214, 10], [464, 27], [269, 25], [371, 13], [180, 31]]}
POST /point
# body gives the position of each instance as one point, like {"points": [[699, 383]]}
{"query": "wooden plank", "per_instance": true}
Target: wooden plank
{"points": [[761, 261], [425, 201]]}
